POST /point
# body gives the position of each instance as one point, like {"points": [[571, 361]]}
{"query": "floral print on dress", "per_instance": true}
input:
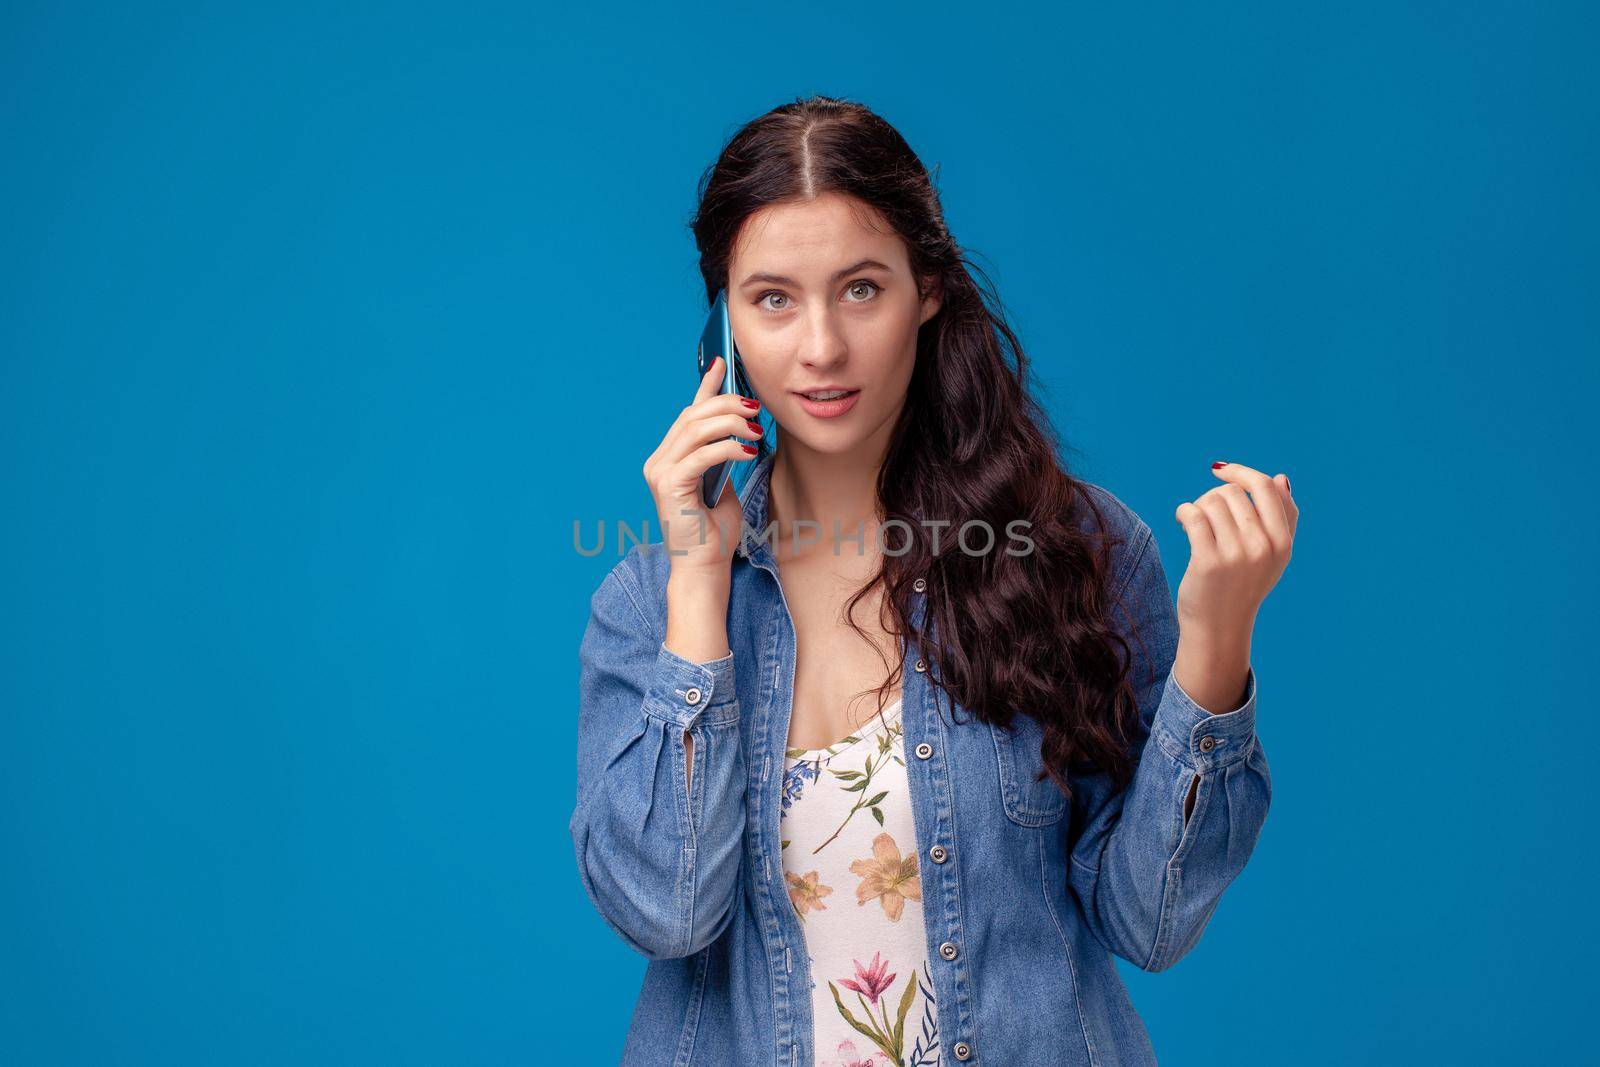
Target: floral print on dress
{"points": [[847, 1056], [925, 1047], [810, 764], [872, 993], [805, 893], [795, 779], [870, 984], [888, 877]]}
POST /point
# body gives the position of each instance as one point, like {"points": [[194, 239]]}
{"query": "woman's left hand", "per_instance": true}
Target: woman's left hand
{"points": [[1240, 537]]}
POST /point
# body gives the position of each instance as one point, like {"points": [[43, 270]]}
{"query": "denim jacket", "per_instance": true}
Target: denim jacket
{"points": [[1029, 897]]}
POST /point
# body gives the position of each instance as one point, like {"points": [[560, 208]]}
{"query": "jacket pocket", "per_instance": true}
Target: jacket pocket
{"points": [[1027, 801]]}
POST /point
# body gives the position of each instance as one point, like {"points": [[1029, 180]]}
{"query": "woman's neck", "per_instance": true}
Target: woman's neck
{"points": [[823, 488]]}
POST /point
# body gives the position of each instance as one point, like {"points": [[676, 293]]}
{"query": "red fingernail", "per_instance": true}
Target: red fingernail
{"points": [[754, 425], [753, 405], [1286, 484], [1218, 463], [752, 449]]}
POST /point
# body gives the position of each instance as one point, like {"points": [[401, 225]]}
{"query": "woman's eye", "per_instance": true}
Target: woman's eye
{"points": [[873, 289]]}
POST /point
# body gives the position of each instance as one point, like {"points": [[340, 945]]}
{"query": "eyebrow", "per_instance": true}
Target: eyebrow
{"points": [[779, 279]]}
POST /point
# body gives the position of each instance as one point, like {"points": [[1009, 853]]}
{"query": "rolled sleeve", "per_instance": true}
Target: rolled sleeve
{"points": [[682, 691], [1200, 739]]}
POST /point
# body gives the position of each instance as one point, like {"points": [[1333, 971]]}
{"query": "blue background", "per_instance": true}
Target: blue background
{"points": [[318, 330]]}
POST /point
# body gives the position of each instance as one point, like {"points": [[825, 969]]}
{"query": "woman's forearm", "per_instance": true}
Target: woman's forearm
{"points": [[697, 616], [1213, 668]]}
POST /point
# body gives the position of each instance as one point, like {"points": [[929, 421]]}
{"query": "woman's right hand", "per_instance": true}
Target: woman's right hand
{"points": [[701, 540]]}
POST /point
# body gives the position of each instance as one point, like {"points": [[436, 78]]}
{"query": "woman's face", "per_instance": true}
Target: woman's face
{"points": [[821, 297]]}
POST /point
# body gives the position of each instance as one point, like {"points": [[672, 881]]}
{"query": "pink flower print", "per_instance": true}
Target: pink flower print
{"points": [[872, 981], [847, 1056]]}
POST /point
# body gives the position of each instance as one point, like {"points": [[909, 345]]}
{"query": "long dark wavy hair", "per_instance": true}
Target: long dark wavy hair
{"points": [[1016, 634]]}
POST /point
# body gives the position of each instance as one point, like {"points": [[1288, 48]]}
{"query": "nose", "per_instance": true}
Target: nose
{"points": [[823, 346]]}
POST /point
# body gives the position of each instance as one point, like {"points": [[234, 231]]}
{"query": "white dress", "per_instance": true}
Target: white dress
{"points": [[850, 859]]}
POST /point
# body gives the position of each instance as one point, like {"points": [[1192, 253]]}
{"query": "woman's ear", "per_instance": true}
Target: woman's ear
{"points": [[932, 294]]}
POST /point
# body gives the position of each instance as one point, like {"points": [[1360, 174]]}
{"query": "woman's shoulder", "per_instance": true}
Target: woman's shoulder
{"points": [[1108, 508], [1102, 514]]}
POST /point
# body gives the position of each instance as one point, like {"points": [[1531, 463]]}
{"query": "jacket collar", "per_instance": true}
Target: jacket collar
{"points": [[754, 507]]}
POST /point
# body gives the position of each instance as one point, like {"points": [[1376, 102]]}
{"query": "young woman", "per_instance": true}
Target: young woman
{"points": [[883, 763]]}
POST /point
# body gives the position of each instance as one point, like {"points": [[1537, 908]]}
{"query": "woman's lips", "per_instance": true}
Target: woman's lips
{"points": [[828, 409]]}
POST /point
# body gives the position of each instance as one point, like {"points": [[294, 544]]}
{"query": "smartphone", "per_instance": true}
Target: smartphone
{"points": [[717, 340]]}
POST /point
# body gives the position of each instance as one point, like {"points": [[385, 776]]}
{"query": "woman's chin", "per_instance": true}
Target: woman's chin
{"points": [[823, 441]]}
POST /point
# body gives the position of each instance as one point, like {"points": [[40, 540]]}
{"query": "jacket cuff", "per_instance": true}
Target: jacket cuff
{"points": [[1203, 740], [683, 691]]}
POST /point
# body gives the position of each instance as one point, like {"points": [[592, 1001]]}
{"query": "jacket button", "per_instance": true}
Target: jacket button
{"points": [[922, 665], [1207, 743], [924, 750], [691, 696], [920, 585], [938, 853], [962, 1050], [948, 950]]}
